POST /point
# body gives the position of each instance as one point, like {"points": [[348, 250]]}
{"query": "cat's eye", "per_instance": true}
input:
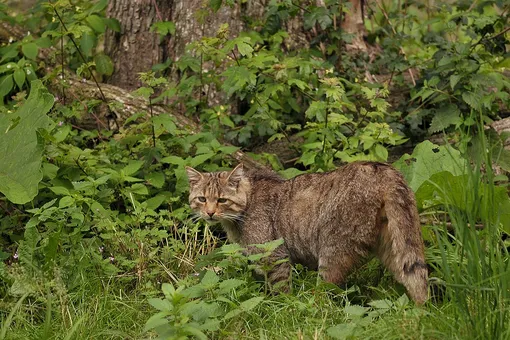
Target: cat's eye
{"points": [[222, 200], [202, 199]]}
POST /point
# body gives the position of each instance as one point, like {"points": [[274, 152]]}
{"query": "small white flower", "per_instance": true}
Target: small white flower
{"points": [[11, 39], [9, 66], [16, 255], [60, 123], [28, 72]]}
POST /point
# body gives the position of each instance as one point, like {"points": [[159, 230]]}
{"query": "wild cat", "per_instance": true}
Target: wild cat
{"points": [[329, 221]]}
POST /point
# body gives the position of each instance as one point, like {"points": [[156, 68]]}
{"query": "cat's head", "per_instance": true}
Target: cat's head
{"points": [[218, 196]]}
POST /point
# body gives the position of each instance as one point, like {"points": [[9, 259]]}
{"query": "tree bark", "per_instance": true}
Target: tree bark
{"points": [[353, 23], [135, 49]]}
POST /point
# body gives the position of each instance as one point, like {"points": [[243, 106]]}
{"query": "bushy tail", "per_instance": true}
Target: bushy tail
{"points": [[401, 247]]}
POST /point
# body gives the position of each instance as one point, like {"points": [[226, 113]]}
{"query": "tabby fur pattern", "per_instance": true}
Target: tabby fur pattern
{"points": [[329, 221]]}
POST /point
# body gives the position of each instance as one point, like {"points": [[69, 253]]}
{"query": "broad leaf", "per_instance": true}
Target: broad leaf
{"points": [[87, 43], [342, 331], [428, 159], [444, 117], [6, 85], [104, 64], [19, 77], [96, 23], [30, 50], [20, 150]]}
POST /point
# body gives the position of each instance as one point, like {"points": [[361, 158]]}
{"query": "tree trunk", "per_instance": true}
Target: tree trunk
{"points": [[353, 23], [135, 49]]}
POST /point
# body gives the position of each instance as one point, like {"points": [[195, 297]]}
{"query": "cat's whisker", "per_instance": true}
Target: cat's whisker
{"points": [[233, 217], [195, 217]]}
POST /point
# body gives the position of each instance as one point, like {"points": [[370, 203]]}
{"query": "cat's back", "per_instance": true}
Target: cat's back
{"points": [[357, 178]]}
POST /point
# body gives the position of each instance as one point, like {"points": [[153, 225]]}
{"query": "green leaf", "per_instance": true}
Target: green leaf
{"points": [[173, 160], [160, 304], [215, 4], [19, 77], [96, 23], [139, 188], [355, 310], [381, 304], [237, 78], [60, 191], [228, 150], [200, 159], [244, 47], [155, 321], [65, 202], [168, 289], [210, 279], [428, 159], [166, 121], [156, 179], [342, 331], [6, 85], [87, 43], [227, 285], [112, 24], [454, 79], [30, 50], [381, 152], [21, 149], [132, 167], [402, 301], [251, 303], [163, 27], [99, 6], [318, 15], [232, 314], [444, 117], [104, 64], [155, 202], [473, 99], [317, 111]]}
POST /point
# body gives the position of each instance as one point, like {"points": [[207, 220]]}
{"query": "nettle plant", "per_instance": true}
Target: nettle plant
{"points": [[76, 29], [460, 50], [280, 94]]}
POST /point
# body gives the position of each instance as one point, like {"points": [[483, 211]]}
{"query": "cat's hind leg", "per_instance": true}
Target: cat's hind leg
{"points": [[336, 262]]}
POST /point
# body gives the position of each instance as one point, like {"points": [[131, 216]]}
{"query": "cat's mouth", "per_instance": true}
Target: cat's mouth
{"points": [[211, 219]]}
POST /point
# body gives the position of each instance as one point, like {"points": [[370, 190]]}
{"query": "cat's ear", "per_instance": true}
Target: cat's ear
{"points": [[194, 176], [236, 175]]}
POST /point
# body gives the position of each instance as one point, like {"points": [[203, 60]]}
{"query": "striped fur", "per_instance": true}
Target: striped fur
{"points": [[329, 221]]}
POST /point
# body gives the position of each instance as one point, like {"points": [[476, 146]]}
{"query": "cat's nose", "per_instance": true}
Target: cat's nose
{"points": [[210, 214]]}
